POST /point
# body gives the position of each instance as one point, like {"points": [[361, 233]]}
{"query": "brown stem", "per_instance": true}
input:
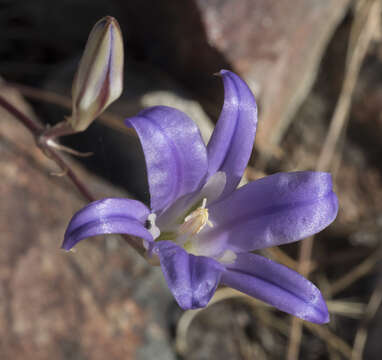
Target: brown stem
{"points": [[40, 132], [61, 129], [56, 157], [34, 127], [108, 119], [37, 130]]}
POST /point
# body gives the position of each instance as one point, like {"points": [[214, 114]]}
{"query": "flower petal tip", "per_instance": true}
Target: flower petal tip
{"points": [[63, 247], [222, 72], [318, 316], [231, 143], [189, 303], [192, 279], [322, 313], [67, 244]]}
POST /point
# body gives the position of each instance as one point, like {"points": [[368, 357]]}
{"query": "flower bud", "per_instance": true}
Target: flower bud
{"points": [[99, 78]]}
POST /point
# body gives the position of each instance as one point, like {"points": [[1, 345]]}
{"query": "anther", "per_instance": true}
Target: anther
{"points": [[195, 222]]}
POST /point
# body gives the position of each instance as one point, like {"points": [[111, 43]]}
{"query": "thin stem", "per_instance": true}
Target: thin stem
{"points": [[108, 119], [34, 127], [56, 157], [39, 131], [61, 129]]}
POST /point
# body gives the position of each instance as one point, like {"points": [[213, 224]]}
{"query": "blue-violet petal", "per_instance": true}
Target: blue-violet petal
{"points": [[108, 216], [231, 143], [191, 279], [277, 285], [274, 210], [176, 157]]}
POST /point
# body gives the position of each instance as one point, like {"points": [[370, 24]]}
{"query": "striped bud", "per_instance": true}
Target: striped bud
{"points": [[99, 78]]}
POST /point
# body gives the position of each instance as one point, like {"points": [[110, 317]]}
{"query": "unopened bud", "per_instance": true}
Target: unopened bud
{"points": [[99, 78]]}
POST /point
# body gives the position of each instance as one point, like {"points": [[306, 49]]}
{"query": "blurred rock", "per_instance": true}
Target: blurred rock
{"points": [[102, 302], [171, 35], [275, 45]]}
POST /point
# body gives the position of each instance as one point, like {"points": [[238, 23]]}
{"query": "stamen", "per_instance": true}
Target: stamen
{"points": [[195, 222]]}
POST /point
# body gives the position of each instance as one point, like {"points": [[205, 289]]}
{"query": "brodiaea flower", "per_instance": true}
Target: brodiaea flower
{"points": [[200, 227]]}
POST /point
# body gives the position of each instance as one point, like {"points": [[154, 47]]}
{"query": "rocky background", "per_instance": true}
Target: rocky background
{"points": [[315, 67]]}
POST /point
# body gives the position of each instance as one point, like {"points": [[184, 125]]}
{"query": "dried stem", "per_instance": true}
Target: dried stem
{"points": [[356, 273], [56, 157], [34, 127], [362, 32], [61, 129], [37, 130], [332, 340], [371, 309]]}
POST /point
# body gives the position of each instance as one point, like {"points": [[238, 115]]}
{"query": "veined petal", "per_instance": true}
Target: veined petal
{"points": [[108, 216], [274, 210], [191, 279], [277, 285], [175, 154], [231, 143]]}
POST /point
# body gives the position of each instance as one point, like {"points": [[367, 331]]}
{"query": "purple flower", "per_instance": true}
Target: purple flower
{"points": [[200, 228]]}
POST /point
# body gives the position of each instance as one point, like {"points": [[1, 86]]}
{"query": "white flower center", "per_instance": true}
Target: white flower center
{"points": [[186, 234]]}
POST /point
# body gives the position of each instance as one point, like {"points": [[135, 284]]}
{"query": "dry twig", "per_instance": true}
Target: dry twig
{"points": [[361, 335], [362, 32], [356, 273], [364, 29]]}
